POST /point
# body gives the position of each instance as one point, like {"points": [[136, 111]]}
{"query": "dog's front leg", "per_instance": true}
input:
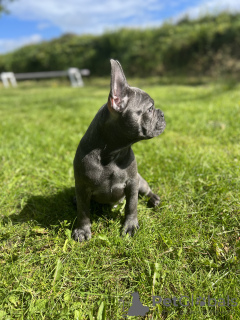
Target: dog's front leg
{"points": [[131, 222], [83, 230]]}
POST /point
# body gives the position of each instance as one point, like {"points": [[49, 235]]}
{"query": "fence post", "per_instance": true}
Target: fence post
{"points": [[75, 77], [8, 76]]}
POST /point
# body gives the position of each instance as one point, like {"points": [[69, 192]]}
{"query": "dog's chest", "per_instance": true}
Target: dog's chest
{"points": [[110, 187]]}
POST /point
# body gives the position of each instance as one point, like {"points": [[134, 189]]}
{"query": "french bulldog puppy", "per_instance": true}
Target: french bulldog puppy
{"points": [[105, 168]]}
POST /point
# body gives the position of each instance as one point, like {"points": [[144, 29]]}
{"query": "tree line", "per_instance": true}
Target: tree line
{"points": [[208, 45]]}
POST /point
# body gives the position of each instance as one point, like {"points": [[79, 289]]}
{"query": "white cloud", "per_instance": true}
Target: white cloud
{"points": [[7, 45], [94, 16], [210, 6], [43, 25], [90, 16]]}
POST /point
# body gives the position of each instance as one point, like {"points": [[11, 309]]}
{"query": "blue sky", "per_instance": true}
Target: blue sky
{"points": [[32, 21]]}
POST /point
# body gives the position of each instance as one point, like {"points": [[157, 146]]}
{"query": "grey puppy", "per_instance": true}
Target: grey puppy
{"points": [[105, 168]]}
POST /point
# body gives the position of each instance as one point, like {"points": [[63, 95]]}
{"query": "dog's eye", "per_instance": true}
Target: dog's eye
{"points": [[150, 109]]}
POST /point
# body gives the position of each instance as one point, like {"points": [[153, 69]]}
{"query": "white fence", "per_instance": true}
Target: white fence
{"points": [[74, 74], [8, 78]]}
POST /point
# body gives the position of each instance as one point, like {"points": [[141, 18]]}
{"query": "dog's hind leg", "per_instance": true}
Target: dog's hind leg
{"points": [[145, 190]]}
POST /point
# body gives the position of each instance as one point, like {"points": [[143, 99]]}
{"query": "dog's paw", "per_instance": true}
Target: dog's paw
{"points": [[82, 233], [130, 227], [153, 201]]}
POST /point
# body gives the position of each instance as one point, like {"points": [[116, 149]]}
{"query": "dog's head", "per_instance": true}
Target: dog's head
{"points": [[133, 108]]}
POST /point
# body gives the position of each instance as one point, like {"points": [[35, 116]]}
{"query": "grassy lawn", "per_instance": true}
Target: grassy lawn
{"points": [[189, 246]]}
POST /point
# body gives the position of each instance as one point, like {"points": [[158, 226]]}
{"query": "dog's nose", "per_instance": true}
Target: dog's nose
{"points": [[162, 114]]}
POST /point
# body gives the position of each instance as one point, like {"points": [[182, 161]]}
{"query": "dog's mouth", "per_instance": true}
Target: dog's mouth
{"points": [[160, 124], [156, 132], [156, 129], [159, 128]]}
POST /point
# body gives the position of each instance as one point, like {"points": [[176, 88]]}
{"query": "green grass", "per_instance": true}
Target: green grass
{"points": [[190, 245]]}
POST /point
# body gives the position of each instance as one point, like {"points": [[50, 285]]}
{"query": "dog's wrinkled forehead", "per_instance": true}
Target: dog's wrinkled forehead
{"points": [[137, 90], [140, 95]]}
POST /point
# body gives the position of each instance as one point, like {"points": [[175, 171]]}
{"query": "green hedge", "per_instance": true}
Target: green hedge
{"points": [[208, 45]]}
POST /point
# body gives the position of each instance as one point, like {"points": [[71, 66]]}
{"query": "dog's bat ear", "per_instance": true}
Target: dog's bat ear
{"points": [[118, 89]]}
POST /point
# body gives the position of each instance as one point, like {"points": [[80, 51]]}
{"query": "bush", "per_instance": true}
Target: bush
{"points": [[207, 45]]}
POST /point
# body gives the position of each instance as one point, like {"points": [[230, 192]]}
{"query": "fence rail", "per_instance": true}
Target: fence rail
{"points": [[74, 74]]}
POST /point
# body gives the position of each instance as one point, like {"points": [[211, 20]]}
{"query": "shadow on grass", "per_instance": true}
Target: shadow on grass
{"points": [[50, 211]]}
